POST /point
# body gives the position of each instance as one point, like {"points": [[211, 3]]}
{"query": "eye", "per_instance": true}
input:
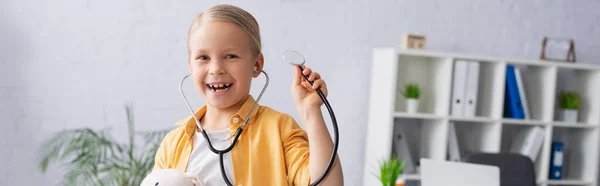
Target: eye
{"points": [[202, 57], [230, 56]]}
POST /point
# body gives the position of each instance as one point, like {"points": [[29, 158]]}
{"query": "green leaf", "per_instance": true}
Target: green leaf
{"points": [[130, 127], [412, 90], [569, 100], [94, 158], [389, 171]]}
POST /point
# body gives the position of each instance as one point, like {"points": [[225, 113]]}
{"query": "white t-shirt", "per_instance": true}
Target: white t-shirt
{"points": [[204, 164]]}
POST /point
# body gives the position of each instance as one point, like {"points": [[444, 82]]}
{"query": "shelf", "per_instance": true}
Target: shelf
{"points": [[578, 66], [485, 100], [432, 74], [538, 82], [476, 137], [410, 176], [566, 182], [523, 122], [580, 148], [416, 115], [533, 62], [584, 82], [433, 116], [417, 177], [512, 136], [426, 139], [428, 132], [573, 125], [472, 119]]}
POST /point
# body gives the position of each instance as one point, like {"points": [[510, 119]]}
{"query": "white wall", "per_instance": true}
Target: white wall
{"points": [[72, 63]]}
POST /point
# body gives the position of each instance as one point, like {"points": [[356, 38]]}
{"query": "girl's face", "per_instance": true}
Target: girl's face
{"points": [[222, 63]]}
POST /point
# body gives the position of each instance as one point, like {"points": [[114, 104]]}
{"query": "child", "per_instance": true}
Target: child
{"points": [[224, 54]]}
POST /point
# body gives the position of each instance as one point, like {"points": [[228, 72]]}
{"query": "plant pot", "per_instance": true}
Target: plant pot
{"points": [[568, 115], [412, 105]]}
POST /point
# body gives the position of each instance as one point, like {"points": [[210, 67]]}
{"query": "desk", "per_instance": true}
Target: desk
{"points": [[446, 173]]}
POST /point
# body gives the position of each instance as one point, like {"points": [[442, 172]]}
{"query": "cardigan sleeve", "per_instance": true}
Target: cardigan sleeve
{"points": [[297, 152]]}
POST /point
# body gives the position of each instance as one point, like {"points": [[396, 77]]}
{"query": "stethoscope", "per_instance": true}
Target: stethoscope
{"points": [[293, 58]]}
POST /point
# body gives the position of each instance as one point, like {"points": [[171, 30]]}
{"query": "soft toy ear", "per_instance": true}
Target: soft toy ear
{"points": [[167, 177], [195, 181]]}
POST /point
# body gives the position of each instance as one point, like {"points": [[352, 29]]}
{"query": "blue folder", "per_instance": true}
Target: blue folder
{"points": [[556, 160], [513, 107]]}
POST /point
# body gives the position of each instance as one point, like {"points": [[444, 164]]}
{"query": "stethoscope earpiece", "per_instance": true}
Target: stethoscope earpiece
{"points": [[293, 58], [238, 132]]}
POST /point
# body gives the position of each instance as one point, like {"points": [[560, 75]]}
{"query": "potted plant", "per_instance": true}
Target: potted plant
{"points": [[412, 93], [95, 158], [389, 171], [569, 106]]}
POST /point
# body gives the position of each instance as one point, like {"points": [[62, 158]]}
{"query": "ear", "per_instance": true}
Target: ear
{"points": [[258, 65], [189, 64]]}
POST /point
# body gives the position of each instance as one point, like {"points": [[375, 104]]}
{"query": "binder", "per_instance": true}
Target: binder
{"points": [[458, 87], [556, 158], [512, 99], [471, 89], [453, 147], [403, 150], [528, 142], [522, 92]]}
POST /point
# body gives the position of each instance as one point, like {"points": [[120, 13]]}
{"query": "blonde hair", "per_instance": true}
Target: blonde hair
{"points": [[234, 15]]}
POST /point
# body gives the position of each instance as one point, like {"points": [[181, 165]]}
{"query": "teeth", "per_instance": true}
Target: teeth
{"points": [[219, 87]]}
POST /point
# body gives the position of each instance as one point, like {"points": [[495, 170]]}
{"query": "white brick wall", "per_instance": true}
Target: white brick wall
{"points": [[69, 63]]}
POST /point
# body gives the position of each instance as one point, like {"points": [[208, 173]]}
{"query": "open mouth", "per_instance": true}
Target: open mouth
{"points": [[219, 87]]}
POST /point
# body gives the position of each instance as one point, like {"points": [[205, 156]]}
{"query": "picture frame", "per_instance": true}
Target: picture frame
{"points": [[558, 49], [414, 41]]}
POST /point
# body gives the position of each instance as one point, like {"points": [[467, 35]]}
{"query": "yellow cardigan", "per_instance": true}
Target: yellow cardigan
{"points": [[271, 151]]}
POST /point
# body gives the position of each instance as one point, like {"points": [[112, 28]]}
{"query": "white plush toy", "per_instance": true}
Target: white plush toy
{"points": [[169, 177]]}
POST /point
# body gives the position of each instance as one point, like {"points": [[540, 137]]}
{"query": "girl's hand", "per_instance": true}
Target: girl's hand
{"points": [[305, 95]]}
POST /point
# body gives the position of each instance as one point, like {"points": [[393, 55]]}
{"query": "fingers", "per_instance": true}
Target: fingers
{"points": [[306, 85], [318, 84], [306, 71], [297, 77], [312, 76]]}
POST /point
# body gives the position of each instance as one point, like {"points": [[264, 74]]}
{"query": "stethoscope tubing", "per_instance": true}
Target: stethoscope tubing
{"points": [[240, 129], [238, 132], [335, 130]]}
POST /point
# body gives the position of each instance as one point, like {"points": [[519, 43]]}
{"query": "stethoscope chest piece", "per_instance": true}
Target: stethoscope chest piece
{"points": [[293, 57]]}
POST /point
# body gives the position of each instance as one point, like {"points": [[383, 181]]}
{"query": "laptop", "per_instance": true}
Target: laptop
{"points": [[448, 173]]}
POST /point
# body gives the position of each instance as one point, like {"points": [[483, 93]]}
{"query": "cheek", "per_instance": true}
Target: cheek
{"points": [[246, 78], [242, 73], [195, 67], [198, 75]]}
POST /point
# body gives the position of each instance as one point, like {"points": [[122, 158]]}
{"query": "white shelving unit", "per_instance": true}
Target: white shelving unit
{"points": [[427, 130]]}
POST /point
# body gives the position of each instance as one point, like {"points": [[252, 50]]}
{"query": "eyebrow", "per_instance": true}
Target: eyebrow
{"points": [[196, 51], [229, 48]]}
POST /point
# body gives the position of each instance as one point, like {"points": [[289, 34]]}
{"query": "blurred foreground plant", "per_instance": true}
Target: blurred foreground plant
{"points": [[389, 171], [95, 158]]}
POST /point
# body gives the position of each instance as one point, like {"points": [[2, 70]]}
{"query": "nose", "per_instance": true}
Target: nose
{"points": [[216, 68]]}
